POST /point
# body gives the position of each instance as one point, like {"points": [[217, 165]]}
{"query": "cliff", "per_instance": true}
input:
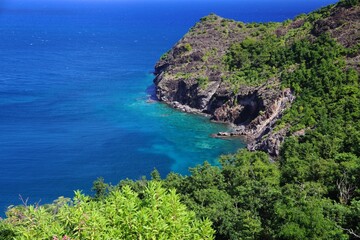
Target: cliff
{"points": [[234, 72]]}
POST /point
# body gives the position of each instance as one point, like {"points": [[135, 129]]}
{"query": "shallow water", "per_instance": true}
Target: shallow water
{"points": [[73, 92]]}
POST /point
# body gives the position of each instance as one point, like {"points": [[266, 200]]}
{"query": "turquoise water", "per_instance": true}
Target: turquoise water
{"points": [[75, 77]]}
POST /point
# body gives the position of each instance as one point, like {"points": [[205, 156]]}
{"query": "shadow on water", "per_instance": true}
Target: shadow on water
{"points": [[151, 93]]}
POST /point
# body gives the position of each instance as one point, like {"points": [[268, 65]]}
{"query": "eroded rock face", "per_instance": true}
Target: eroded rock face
{"points": [[343, 25], [190, 77], [270, 144], [191, 72], [193, 76]]}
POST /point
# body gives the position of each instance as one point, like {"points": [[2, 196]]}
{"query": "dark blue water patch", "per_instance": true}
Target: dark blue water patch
{"points": [[74, 91], [151, 93]]}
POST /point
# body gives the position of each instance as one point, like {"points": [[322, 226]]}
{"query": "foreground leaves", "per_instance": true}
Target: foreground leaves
{"points": [[121, 215]]}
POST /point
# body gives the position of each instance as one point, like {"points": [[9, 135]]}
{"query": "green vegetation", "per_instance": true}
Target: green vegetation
{"points": [[187, 47], [153, 213], [264, 55], [164, 56], [252, 61], [325, 88], [349, 3], [319, 172], [247, 198], [210, 18], [203, 82], [241, 25], [182, 75], [209, 54], [312, 191]]}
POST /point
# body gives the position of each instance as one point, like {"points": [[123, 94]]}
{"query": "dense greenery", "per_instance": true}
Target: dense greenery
{"points": [[311, 192], [247, 199], [319, 172], [122, 214], [252, 61]]}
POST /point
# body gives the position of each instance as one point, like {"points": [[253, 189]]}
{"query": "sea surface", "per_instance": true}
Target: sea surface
{"points": [[75, 77]]}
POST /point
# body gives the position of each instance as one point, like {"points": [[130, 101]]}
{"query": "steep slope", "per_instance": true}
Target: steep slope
{"points": [[234, 71]]}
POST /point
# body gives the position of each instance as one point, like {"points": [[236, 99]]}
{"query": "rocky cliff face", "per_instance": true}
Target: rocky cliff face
{"points": [[191, 72], [192, 77]]}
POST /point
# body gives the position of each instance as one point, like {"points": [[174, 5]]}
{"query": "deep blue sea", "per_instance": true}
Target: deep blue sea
{"points": [[75, 77]]}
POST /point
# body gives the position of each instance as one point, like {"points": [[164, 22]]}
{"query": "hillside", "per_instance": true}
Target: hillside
{"points": [[236, 72]]}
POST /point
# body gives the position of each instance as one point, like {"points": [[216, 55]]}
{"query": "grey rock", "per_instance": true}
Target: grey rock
{"points": [[190, 78]]}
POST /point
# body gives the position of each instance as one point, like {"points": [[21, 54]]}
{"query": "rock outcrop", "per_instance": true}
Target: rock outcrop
{"points": [[192, 76]]}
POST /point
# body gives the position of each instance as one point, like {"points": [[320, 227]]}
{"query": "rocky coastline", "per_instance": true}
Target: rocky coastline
{"points": [[190, 77], [194, 75]]}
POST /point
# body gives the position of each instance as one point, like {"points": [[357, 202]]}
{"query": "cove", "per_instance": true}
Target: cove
{"points": [[73, 93]]}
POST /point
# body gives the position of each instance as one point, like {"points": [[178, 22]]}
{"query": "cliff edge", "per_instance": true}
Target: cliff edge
{"points": [[234, 71]]}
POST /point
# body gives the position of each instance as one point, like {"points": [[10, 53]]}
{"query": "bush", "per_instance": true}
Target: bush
{"points": [[158, 214], [203, 82], [187, 47]]}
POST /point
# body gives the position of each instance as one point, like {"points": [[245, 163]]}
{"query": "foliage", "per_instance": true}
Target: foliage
{"points": [[252, 61], [238, 198], [304, 215], [182, 75], [121, 215], [203, 82], [164, 56], [349, 3], [100, 188], [210, 18], [188, 47]]}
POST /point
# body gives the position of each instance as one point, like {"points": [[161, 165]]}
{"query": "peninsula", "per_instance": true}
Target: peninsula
{"points": [[240, 73]]}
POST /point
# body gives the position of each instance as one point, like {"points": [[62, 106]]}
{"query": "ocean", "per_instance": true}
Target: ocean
{"points": [[75, 79]]}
